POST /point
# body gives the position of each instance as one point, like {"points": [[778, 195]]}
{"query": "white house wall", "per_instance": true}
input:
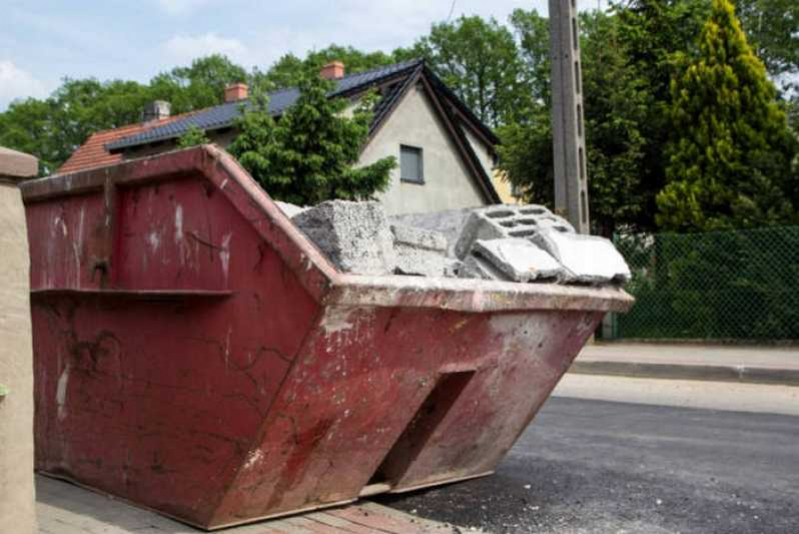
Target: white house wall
{"points": [[448, 182]]}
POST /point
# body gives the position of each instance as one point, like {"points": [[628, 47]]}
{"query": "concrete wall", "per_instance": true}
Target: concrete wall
{"points": [[448, 183], [16, 354]]}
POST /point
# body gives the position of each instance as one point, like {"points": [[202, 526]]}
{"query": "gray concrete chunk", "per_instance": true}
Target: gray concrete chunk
{"points": [[519, 259], [588, 259], [354, 235], [421, 252]]}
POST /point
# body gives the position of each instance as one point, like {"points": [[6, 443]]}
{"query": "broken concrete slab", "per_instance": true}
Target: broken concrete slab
{"points": [[503, 222], [519, 259], [589, 259], [481, 268], [354, 235], [421, 252]]}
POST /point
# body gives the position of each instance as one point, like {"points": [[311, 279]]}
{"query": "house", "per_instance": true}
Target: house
{"points": [[446, 154]]}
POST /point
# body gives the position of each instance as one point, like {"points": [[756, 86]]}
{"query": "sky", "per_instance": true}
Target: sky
{"points": [[43, 41]]}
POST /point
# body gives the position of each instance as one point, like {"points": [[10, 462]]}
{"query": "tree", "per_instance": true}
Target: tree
{"points": [[615, 107], [289, 69], [731, 153], [310, 153], [194, 136], [651, 32], [772, 28], [479, 59], [200, 85]]}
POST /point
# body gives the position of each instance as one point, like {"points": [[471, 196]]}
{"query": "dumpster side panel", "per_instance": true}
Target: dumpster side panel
{"points": [[402, 397], [508, 388], [153, 388], [65, 242]]}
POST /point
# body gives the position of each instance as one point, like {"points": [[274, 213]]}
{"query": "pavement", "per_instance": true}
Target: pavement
{"points": [[63, 508], [755, 365]]}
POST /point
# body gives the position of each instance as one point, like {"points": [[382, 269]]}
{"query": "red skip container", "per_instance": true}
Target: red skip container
{"points": [[197, 355]]}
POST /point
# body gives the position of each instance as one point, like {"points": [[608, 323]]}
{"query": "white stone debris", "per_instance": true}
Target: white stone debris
{"points": [[588, 259], [519, 259], [521, 244]]}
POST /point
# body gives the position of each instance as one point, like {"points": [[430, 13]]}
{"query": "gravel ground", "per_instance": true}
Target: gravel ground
{"points": [[589, 466]]}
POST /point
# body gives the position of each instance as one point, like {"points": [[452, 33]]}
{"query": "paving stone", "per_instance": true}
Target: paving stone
{"points": [[354, 235]]}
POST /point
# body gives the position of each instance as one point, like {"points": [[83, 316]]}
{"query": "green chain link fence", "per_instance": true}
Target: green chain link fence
{"points": [[737, 285]]}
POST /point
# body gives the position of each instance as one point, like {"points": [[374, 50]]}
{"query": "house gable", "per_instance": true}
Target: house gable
{"points": [[450, 179]]}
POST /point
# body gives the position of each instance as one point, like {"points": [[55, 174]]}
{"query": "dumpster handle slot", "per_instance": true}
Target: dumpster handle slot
{"points": [[421, 427]]}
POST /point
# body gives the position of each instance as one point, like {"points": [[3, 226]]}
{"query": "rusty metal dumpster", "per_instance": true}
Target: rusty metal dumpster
{"points": [[197, 355]]}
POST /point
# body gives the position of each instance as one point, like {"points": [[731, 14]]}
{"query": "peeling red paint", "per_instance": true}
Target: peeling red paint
{"points": [[197, 355]]}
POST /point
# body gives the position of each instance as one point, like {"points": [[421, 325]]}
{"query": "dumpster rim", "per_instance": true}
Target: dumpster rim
{"points": [[315, 272]]}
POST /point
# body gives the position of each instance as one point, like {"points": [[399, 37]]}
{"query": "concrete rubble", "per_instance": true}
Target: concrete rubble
{"points": [[354, 235], [521, 244]]}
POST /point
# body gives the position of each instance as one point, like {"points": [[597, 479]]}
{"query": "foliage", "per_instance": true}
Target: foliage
{"points": [[53, 128], [200, 85], [615, 107], [772, 28], [194, 136], [717, 285], [479, 59], [309, 154], [289, 69], [731, 153]]}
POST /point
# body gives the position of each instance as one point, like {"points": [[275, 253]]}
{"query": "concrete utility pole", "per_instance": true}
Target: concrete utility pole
{"points": [[571, 178]]}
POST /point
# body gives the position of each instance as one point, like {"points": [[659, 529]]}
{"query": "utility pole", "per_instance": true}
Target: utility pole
{"points": [[571, 177]]}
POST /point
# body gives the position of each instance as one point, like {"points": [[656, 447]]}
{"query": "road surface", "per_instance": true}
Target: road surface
{"points": [[589, 466]]}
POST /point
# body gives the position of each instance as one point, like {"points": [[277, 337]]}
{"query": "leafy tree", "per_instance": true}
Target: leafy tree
{"points": [[731, 153], [310, 153], [194, 136], [479, 59], [615, 107], [772, 28], [289, 69], [532, 33], [200, 85], [651, 32]]}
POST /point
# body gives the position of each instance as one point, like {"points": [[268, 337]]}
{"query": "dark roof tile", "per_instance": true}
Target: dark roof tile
{"points": [[224, 115]]}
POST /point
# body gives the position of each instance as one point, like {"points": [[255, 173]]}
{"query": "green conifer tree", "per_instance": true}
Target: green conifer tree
{"points": [[731, 152]]}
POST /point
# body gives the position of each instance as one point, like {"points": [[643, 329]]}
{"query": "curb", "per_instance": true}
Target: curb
{"points": [[715, 373]]}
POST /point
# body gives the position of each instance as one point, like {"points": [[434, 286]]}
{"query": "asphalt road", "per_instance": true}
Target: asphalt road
{"points": [[588, 466]]}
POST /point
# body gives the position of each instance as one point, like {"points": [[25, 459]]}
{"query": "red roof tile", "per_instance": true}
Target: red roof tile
{"points": [[93, 153]]}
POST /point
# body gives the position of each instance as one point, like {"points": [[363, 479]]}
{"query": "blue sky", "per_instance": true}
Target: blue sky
{"points": [[43, 41]]}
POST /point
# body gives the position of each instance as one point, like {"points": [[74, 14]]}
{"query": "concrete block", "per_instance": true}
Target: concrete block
{"points": [[504, 222], [519, 259], [354, 235], [588, 259], [421, 252]]}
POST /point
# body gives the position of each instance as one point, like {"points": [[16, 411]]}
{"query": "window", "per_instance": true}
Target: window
{"points": [[411, 164]]}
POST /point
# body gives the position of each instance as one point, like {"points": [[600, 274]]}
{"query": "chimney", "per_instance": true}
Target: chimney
{"points": [[332, 71], [235, 92], [156, 110]]}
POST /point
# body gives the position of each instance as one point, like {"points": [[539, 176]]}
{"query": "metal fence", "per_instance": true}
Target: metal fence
{"points": [[737, 285]]}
